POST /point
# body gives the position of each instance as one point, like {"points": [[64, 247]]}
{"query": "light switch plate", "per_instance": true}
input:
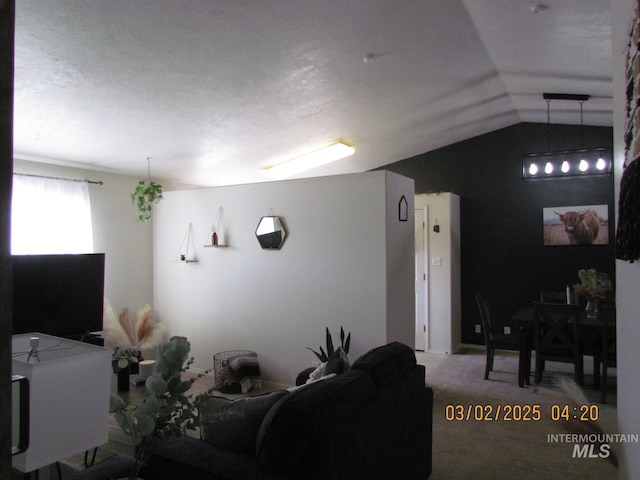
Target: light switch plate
{"points": [[436, 261]]}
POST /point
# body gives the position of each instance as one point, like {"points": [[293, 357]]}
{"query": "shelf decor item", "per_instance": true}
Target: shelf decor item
{"points": [[217, 236], [187, 247], [146, 195]]}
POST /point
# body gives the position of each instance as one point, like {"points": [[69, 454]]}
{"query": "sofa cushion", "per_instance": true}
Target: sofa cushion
{"points": [[386, 363], [189, 458], [298, 423], [234, 424]]}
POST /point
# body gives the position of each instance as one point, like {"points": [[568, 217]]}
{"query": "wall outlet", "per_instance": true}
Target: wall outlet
{"points": [[478, 330], [507, 330]]}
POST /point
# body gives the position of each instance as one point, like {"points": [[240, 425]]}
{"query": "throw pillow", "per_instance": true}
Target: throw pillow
{"points": [[338, 363], [317, 373], [234, 424], [304, 385]]}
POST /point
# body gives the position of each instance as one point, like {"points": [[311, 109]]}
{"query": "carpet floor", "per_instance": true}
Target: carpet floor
{"points": [[485, 448], [477, 448]]}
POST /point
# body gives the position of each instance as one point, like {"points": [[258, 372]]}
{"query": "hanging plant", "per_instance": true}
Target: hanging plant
{"points": [[146, 195]]}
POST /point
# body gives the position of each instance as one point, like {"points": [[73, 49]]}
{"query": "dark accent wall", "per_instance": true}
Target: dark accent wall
{"points": [[502, 250]]}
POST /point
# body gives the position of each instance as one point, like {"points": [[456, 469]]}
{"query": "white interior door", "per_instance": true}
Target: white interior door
{"points": [[421, 279]]}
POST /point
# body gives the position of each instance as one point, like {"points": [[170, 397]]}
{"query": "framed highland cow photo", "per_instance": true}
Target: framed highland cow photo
{"points": [[576, 225]]}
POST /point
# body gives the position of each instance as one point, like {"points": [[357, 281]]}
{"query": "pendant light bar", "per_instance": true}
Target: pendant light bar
{"points": [[566, 96], [569, 163]]}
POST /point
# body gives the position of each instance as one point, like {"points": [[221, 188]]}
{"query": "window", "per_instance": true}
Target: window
{"points": [[50, 215]]}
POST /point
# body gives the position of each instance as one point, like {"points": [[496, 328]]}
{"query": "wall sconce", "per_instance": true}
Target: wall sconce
{"points": [[571, 163]]}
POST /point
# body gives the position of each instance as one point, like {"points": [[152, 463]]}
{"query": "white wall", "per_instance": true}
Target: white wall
{"points": [[443, 280], [400, 260], [126, 243], [334, 269], [627, 274]]}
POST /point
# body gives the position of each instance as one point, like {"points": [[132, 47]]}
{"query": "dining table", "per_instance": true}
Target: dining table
{"points": [[591, 330]]}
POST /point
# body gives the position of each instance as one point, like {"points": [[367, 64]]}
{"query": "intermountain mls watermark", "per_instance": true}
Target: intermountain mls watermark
{"points": [[592, 445]]}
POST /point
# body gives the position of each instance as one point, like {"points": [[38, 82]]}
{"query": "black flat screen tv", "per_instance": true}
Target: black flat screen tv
{"points": [[59, 295]]}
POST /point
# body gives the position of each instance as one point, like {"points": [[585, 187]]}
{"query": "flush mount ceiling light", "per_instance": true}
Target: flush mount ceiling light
{"points": [[568, 163], [311, 160]]}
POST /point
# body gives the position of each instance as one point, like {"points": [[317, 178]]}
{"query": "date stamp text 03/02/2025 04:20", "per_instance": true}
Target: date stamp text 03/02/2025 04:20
{"points": [[520, 413]]}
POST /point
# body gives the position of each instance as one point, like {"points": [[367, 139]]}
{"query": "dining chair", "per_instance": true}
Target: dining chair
{"points": [[493, 339], [552, 296], [556, 337]]}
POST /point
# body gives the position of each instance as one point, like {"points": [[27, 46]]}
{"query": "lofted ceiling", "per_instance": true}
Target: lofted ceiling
{"points": [[215, 90]]}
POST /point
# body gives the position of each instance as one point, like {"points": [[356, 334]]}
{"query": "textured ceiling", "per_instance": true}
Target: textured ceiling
{"points": [[215, 90]]}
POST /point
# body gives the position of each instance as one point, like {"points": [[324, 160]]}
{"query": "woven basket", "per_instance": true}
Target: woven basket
{"points": [[221, 373]]}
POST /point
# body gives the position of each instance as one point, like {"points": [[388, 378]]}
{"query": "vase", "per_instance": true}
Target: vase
{"points": [[134, 368], [592, 308], [123, 380]]}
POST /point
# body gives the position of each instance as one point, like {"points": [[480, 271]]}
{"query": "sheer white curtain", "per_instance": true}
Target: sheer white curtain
{"points": [[50, 216]]}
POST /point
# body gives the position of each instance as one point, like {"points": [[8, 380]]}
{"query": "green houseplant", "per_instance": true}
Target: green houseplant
{"points": [[145, 196], [594, 286], [167, 411], [345, 342]]}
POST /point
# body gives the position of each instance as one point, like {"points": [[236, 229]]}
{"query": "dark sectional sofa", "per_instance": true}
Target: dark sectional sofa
{"points": [[372, 422]]}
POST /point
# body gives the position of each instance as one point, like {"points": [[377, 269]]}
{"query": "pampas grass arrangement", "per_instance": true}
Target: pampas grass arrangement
{"points": [[144, 333]]}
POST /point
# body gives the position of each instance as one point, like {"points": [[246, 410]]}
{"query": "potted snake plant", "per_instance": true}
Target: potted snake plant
{"points": [[345, 342]]}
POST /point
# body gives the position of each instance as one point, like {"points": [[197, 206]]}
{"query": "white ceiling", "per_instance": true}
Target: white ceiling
{"points": [[215, 90]]}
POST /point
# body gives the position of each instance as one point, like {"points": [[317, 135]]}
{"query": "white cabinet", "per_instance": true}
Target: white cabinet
{"points": [[69, 386]]}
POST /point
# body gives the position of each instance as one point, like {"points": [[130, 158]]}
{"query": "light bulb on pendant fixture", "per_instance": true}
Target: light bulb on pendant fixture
{"points": [[533, 169], [583, 166], [548, 168], [565, 166], [601, 164]]}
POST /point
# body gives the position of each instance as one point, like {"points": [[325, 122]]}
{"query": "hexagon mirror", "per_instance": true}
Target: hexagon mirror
{"points": [[271, 233]]}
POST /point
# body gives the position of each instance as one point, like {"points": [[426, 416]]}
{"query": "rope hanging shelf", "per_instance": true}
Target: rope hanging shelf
{"points": [[217, 236], [187, 254]]}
